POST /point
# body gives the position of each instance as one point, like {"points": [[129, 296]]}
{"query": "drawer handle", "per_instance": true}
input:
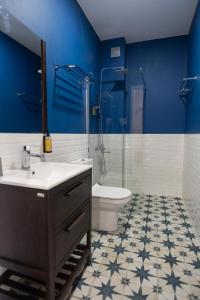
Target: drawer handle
{"points": [[70, 228], [74, 189]]}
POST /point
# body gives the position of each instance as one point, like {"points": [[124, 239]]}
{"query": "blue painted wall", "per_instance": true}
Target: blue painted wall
{"points": [[164, 63], [19, 74], [193, 109], [70, 40], [113, 101]]}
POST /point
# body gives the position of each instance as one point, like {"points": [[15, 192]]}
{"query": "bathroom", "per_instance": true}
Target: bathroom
{"points": [[102, 97]]}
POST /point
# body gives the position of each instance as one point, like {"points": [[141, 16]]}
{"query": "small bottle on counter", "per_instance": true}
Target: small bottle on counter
{"points": [[47, 143]]}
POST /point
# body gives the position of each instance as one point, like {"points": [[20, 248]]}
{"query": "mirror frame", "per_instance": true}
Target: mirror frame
{"points": [[44, 120]]}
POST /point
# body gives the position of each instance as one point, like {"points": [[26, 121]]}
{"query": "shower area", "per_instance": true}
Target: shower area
{"points": [[119, 112]]}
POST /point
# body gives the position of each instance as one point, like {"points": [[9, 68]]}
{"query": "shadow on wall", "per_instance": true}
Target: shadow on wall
{"points": [[20, 100], [68, 92]]}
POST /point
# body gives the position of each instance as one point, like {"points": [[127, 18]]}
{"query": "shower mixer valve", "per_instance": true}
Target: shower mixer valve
{"points": [[102, 149]]}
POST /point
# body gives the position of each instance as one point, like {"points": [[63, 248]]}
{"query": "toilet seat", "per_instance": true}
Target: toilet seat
{"points": [[109, 192]]}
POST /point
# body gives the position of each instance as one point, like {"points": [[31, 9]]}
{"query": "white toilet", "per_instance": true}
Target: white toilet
{"points": [[106, 203]]}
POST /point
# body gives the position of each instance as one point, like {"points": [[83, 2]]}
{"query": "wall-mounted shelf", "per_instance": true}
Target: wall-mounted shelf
{"points": [[14, 285], [72, 89], [31, 102]]}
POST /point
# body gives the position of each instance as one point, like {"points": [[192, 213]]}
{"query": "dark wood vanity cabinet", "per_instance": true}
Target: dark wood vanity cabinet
{"points": [[40, 236]]}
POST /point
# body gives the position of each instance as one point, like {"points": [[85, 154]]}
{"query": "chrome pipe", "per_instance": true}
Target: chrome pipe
{"points": [[1, 168], [191, 78]]}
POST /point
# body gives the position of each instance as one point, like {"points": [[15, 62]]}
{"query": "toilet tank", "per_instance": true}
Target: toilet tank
{"points": [[85, 161]]}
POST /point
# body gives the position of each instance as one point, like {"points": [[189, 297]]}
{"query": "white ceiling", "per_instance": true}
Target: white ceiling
{"points": [[139, 20], [16, 30]]}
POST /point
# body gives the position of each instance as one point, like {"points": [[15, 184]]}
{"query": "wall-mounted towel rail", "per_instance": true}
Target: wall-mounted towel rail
{"points": [[72, 83], [77, 72]]}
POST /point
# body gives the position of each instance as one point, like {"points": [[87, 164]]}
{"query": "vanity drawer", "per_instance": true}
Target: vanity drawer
{"points": [[70, 235], [71, 198]]}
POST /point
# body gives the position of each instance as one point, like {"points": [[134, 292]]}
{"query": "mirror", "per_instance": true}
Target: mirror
{"points": [[22, 78]]}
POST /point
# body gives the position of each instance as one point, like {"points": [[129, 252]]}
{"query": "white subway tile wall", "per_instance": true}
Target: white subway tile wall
{"points": [[191, 178], [69, 147], [114, 162], [153, 162], [66, 148], [11, 146]]}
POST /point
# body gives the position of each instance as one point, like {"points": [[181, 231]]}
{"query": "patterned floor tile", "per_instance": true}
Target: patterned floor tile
{"points": [[105, 290], [194, 294], [83, 286], [104, 256], [154, 255]]}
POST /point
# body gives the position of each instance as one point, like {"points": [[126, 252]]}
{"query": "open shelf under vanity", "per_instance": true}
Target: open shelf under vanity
{"points": [[14, 285]]}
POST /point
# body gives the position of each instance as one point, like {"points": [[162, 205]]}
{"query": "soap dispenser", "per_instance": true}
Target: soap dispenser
{"points": [[47, 143]]}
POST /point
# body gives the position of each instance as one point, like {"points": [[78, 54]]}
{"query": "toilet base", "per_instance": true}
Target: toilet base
{"points": [[103, 220]]}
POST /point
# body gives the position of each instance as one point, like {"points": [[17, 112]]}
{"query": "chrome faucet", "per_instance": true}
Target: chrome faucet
{"points": [[102, 149], [26, 157]]}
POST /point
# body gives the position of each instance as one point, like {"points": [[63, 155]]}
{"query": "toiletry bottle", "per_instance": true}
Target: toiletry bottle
{"points": [[47, 143]]}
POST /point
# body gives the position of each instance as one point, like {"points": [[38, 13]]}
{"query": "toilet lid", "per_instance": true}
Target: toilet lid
{"points": [[110, 192]]}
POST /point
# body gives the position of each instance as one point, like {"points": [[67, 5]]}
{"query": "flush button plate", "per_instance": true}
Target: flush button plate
{"points": [[40, 195]]}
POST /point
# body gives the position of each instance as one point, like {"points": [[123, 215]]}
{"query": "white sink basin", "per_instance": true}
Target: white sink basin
{"points": [[44, 175]]}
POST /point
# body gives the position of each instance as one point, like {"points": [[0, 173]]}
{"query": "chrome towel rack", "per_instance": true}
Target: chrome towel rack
{"points": [[79, 73], [72, 86]]}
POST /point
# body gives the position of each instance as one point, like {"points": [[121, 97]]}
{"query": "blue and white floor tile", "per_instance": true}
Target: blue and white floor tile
{"points": [[154, 255]]}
